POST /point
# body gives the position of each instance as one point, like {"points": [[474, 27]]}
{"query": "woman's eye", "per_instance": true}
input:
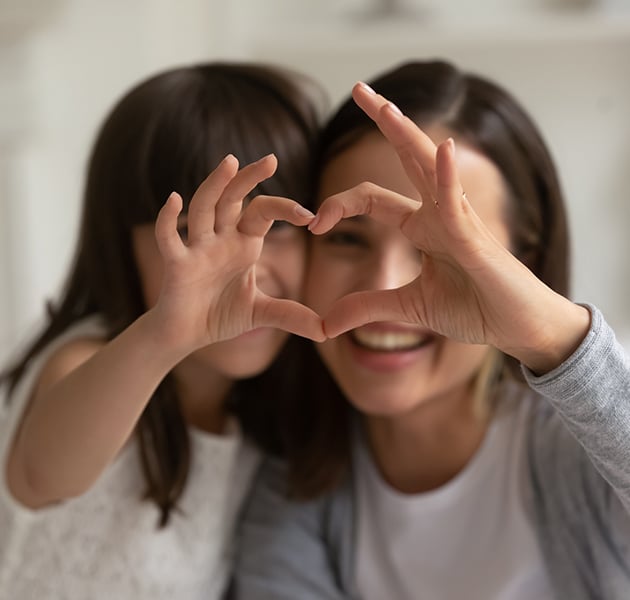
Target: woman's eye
{"points": [[282, 232], [277, 225], [282, 229]]}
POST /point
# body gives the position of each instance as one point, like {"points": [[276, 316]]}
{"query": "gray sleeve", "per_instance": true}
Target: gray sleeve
{"points": [[282, 551], [591, 393]]}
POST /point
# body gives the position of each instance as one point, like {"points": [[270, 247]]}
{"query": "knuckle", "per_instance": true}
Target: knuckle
{"points": [[367, 188], [371, 195]]}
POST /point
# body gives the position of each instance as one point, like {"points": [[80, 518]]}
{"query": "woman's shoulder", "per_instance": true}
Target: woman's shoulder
{"points": [[274, 523], [271, 493]]}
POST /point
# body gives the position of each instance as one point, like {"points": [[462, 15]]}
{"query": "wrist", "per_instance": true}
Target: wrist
{"points": [[164, 343], [560, 334]]}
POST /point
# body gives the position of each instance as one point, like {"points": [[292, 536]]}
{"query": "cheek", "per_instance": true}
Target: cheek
{"points": [[325, 282], [286, 258], [463, 359], [292, 271]]}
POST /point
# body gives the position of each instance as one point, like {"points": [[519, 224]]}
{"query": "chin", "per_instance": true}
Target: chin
{"points": [[247, 355], [246, 369], [236, 364], [391, 407]]}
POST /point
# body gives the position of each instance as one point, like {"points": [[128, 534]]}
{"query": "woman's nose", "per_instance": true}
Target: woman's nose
{"points": [[394, 268]]}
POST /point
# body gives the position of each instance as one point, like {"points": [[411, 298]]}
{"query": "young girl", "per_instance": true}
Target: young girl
{"points": [[122, 468], [452, 476]]}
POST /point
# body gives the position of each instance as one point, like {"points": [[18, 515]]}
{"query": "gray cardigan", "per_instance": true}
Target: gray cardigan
{"points": [[579, 463]]}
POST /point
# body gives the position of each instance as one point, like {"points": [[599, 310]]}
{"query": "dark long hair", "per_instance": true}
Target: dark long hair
{"points": [[166, 134], [488, 118]]}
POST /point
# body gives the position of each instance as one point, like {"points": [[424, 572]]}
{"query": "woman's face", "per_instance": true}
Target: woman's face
{"points": [[390, 368], [279, 273]]}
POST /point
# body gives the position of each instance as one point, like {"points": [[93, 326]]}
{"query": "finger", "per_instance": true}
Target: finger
{"points": [[203, 204], [230, 204], [450, 193], [288, 315], [359, 308], [262, 211], [406, 137], [368, 100], [166, 235], [367, 198], [459, 217]]}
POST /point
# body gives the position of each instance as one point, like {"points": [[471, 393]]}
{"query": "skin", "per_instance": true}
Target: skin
{"points": [[90, 394], [469, 290]]}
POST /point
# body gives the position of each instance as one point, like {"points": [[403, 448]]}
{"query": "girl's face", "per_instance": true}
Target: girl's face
{"points": [[279, 273], [387, 368]]}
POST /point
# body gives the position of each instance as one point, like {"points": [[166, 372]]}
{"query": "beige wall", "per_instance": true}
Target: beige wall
{"points": [[63, 64]]}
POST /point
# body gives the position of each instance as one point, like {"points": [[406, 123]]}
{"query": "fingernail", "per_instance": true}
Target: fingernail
{"points": [[451, 146], [303, 212], [313, 223], [366, 87], [395, 109]]}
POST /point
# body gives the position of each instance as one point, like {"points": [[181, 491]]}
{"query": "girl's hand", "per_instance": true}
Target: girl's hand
{"points": [[209, 290], [472, 288]]}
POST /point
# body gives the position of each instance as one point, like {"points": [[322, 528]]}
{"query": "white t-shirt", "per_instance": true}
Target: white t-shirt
{"points": [[435, 545], [106, 544]]}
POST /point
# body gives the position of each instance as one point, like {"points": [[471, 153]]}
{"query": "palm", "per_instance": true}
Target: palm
{"points": [[212, 289], [445, 302]]}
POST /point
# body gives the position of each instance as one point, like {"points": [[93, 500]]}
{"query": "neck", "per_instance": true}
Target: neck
{"points": [[422, 451], [202, 394]]}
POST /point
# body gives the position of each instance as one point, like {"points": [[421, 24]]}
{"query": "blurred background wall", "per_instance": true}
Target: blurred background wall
{"points": [[63, 63]]}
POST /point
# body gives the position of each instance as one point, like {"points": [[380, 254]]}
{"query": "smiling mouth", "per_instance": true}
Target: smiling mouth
{"points": [[389, 341]]}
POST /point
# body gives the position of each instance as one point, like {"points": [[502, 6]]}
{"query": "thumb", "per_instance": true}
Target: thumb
{"points": [[288, 315], [359, 308]]}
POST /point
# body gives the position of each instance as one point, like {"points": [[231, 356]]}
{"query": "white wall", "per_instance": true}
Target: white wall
{"points": [[62, 68], [573, 78]]}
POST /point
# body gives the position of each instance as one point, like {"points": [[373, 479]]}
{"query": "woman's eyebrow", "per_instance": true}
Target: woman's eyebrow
{"points": [[355, 219]]}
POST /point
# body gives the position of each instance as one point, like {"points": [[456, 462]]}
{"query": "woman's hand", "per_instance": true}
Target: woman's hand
{"points": [[209, 290], [471, 288]]}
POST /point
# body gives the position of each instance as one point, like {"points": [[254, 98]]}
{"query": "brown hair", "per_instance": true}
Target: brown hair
{"points": [[165, 134], [317, 436]]}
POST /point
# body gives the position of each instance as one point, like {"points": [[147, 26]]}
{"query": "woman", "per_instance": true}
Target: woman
{"points": [[446, 473]]}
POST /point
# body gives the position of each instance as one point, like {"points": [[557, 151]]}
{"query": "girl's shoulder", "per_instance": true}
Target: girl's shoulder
{"points": [[65, 353], [66, 357], [59, 357]]}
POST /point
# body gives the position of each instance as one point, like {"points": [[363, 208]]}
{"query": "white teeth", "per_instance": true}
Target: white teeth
{"points": [[388, 340]]}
